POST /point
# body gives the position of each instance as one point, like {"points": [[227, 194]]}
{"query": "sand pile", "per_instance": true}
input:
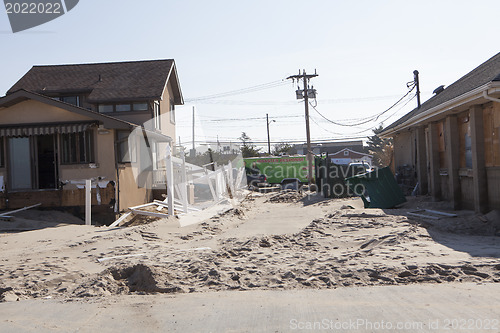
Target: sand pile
{"points": [[312, 258], [244, 249], [469, 224], [138, 278]]}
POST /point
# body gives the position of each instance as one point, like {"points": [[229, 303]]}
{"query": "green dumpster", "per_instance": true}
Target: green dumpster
{"points": [[377, 188]]}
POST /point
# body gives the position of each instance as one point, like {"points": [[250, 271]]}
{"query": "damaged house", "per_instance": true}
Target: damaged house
{"points": [[451, 144], [62, 124]]}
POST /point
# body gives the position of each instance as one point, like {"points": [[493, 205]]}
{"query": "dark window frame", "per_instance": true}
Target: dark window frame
{"points": [[157, 115], [121, 144], [80, 147], [172, 112], [78, 99], [133, 107]]}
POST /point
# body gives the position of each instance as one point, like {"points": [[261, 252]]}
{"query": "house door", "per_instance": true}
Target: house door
{"points": [[20, 164], [33, 162], [46, 161]]}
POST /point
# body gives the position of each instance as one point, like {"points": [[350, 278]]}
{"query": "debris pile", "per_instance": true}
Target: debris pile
{"points": [[287, 196]]}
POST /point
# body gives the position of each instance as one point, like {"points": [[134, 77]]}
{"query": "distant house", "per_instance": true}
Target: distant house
{"points": [[327, 147], [222, 147], [452, 142], [65, 123], [346, 156]]}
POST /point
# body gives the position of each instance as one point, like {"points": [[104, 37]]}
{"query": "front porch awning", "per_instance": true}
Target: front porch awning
{"points": [[44, 129]]}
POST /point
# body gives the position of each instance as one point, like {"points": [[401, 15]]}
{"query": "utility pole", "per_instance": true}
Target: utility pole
{"points": [[268, 137], [305, 94], [417, 84], [193, 150]]}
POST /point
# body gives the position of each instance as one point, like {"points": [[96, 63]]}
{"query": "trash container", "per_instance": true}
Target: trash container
{"points": [[377, 188]]}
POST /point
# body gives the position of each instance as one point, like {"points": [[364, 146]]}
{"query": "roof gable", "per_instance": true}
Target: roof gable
{"points": [[106, 82], [23, 95], [351, 153]]}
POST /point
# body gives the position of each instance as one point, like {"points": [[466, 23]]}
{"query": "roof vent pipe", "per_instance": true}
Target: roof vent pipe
{"points": [[100, 78], [438, 90]]}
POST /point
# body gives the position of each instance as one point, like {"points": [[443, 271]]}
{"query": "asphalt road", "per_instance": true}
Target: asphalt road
{"points": [[454, 307]]}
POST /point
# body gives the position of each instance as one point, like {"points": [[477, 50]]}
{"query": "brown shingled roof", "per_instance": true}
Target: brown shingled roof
{"points": [[106, 82]]}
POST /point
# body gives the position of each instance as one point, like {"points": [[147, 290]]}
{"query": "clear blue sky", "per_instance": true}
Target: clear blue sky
{"points": [[364, 52]]}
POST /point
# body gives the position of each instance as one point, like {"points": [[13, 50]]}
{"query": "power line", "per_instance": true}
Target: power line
{"points": [[371, 128], [264, 142], [259, 87], [368, 119]]}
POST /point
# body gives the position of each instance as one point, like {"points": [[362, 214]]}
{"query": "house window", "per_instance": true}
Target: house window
{"points": [[123, 107], [172, 112], [105, 108], [75, 100], [78, 148], [140, 106], [126, 154], [156, 115], [155, 154]]}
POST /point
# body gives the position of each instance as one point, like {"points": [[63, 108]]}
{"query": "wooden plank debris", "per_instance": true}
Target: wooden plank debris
{"points": [[19, 210], [120, 219], [122, 256], [440, 213], [143, 212], [430, 214], [424, 216]]}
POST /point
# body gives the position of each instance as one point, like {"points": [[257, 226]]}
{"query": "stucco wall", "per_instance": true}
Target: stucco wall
{"points": [[130, 193], [29, 112], [104, 158], [167, 127]]}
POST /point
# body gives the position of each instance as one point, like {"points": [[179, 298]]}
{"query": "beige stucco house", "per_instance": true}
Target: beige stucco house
{"points": [[60, 125], [452, 142]]}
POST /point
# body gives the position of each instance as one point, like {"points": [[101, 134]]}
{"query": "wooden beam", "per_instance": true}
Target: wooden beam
{"points": [[452, 160], [20, 209], [479, 176], [88, 202], [432, 148], [142, 212], [421, 160], [120, 219]]}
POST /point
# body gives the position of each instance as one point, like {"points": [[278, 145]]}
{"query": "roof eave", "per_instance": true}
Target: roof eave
{"points": [[23, 95], [442, 108], [178, 98]]}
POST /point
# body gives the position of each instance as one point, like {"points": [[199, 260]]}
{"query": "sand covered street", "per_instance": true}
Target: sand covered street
{"points": [[411, 308], [280, 243]]}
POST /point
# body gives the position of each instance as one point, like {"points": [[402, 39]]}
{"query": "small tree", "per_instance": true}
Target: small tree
{"points": [[381, 148], [281, 148], [248, 149]]}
